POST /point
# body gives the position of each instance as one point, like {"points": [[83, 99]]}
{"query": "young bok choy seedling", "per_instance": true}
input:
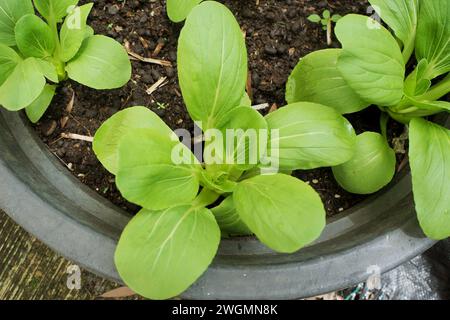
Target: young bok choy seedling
{"points": [[36, 54], [235, 189], [370, 70]]}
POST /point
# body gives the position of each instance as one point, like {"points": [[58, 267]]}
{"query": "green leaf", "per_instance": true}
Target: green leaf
{"points": [[101, 63], [401, 16], [8, 61], [212, 63], [244, 140], [430, 105], [433, 36], [228, 218], [310, 136], [73, 31], [178, 10], [34, 37], [245, 101], [160, 254], [48, 69], [372, 167], [54, 9], [23, 86], [10, 12], [285, 213], [36, 110], [336, 17], [314, 18], [429, 155], [417, 82], [371, 61], [107, 137], [326, 14], [89, 32], [149, 173], [317, 79]]}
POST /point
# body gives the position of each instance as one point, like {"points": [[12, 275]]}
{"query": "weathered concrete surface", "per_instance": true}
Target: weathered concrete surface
{"points": [[30, 270]]}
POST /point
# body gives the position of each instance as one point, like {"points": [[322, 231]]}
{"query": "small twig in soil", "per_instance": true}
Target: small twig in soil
{"points": [[75, 136], [249, 86], [273, 108], [69, 106], [136, 56], [403, 164], [143, 42], [163, 63], [329, 31], [261, 106], [156, 85], [63, 121], [158, 49], [81, 125]]}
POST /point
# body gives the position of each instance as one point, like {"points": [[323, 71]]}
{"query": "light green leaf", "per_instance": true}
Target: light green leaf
{"points": [[48, 69], [36, 110], [8, 61], [150, 174], [101, 63], [73, 31], [23, 86], [89, 32], [228, 219], [311, 136], [326, 14], [160, 254], [372, 167], [54, 9], [178, 10], [212, 79], [430, 105], [34, 37], [317, 79], [433, 36], [10, 12], [285, 213], [429, 155], [244, 132], [314, 18], [107, 137], [245, 101], [417, 82], [401, 16], [371, 61], [336, 17]]}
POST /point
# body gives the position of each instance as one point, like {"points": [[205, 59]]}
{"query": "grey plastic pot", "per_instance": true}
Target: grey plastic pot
{"points": [[41, 195]]}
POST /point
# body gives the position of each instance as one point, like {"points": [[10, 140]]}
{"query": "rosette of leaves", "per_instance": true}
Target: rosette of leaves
{"points": [[187, 203], [370, 69], [36, 53]]}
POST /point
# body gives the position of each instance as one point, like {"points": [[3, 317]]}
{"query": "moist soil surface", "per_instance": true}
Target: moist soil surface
{"points": [[277, 35]]}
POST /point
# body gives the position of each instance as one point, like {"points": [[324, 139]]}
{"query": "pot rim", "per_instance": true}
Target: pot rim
{"points": [[44, 198]]}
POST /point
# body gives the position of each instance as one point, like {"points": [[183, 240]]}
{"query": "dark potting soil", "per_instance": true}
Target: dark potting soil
{"points": [[277, 35]]}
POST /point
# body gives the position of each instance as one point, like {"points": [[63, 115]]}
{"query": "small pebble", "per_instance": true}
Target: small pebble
{"points": [[337, 196], [315, 181], [270, 50]]}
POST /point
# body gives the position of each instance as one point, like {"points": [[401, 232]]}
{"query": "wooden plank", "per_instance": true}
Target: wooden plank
{"points": [[30, 270]]}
